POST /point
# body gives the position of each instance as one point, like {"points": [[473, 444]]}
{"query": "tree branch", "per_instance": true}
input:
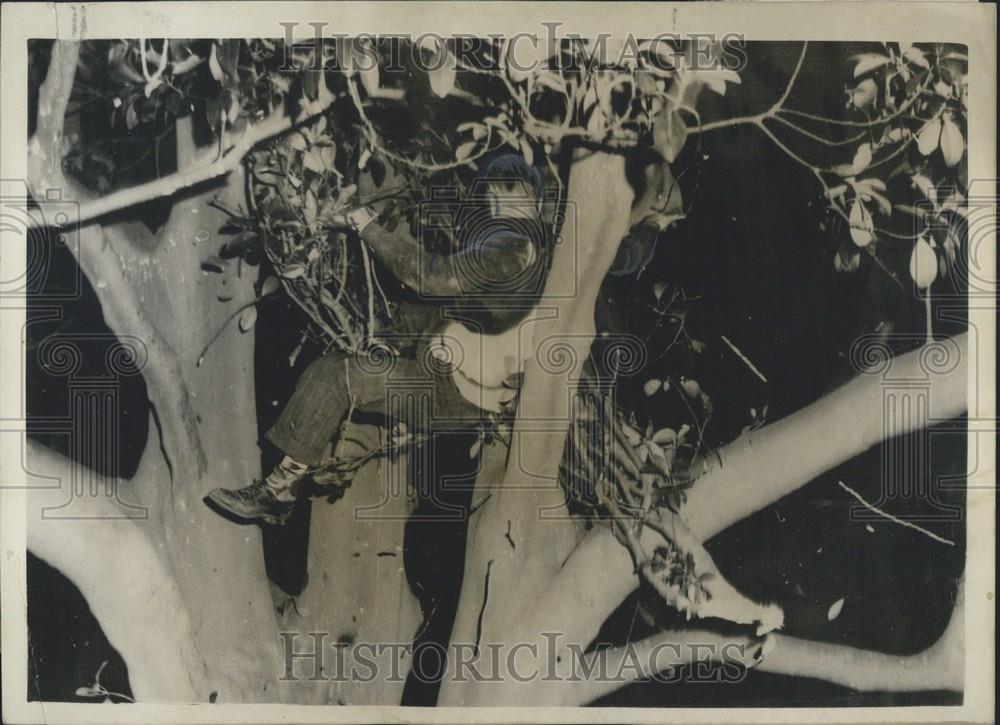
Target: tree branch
{"points": [[129, 588], [939, 667], [767, 464], [210, 165], [655, 655], [757, 470]]}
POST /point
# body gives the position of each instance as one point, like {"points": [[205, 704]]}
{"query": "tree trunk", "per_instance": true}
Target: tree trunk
{"points": [[357, 593]]}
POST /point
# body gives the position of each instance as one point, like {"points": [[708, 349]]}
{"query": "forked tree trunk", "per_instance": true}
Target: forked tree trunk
{"points": [[151, 288]]}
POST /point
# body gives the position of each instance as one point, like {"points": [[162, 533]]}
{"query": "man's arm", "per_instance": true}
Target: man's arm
{"points": [[446, 275]]}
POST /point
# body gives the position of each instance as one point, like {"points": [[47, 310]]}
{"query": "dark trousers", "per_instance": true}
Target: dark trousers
{"points": [[409, 389]]}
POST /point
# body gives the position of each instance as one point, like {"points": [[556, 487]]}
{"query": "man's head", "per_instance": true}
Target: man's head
{"points": [[513, 188], [503, 241]]}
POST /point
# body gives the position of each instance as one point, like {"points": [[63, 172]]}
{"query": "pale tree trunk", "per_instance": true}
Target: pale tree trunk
{"points": [[182, 594], [151, 288], [357, 592]]}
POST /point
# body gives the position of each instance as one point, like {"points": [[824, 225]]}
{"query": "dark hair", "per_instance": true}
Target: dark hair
{"points": [[510, 167]]}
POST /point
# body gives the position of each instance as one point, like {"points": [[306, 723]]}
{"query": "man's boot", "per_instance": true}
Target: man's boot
{"points": [[270, 501]]}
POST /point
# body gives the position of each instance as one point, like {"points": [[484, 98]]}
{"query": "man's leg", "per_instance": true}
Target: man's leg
{"points": [[311, 418]]}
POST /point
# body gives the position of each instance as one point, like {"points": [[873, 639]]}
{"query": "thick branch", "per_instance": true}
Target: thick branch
{"points": [[767, 464], [758, 469], [129, 588], [655, 655], [210, 165], [939, 667]]}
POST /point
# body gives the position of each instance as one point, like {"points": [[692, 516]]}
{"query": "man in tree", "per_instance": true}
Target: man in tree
{"points": [[469, 304]]}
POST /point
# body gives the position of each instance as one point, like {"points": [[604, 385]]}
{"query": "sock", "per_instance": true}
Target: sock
{"points": [[283, 481]]}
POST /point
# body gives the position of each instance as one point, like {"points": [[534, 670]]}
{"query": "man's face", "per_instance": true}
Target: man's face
{"points": [[513, 200]]}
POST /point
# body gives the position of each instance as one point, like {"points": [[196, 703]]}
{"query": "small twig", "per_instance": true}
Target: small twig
{"points": [[745, 359], [367, 263], [224, 325], [892, 518]]}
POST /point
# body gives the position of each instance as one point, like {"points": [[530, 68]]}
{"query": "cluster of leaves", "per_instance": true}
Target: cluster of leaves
{"points": [[676, 569], [910, 103], [130, 93], [427, 122], [300, 193]]}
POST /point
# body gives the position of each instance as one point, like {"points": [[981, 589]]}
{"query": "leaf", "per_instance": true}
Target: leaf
{"points": [[952, 142], [313, 161], [228, 57], [923, 264], [836, 191], [443, 76], [658, 289], [465, 150], [479, 131], [834, 611], [298, 142], [364, 159], [864, 94], [925, 185], [328, 155], [270, 286], [213, 64], [233, 112], [131, 117], [309, 210], [652, 385], [916, 56], [929, 137], [631, 435], [665, 437], [691, 387], [669, 134], [943, 89], [861, 223], [526, 151], [867, 62], [658, 458], [847, 260], [248, 318], [862, 158], [474, 448], [293, 271], [214, 264]]}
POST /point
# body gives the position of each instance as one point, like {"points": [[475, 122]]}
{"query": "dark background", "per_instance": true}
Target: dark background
{"points": [[753, 257]]}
